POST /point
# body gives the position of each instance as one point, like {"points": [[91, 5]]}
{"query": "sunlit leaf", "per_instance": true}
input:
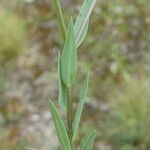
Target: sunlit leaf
{"points": [[60, 127], [80, 104], [81, 24], [69, 58], [88, 141]]}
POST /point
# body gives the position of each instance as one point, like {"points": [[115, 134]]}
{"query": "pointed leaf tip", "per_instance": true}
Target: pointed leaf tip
{"points": [[82, 21], [80, 104], [69, 58]]}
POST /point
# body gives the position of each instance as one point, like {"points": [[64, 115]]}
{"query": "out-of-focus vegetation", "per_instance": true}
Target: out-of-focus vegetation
{"points": [[127, 127], [12, 41], [12, 44], [12, 36], [118, 47]]}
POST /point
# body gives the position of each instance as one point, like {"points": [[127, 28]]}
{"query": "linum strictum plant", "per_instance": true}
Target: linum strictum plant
{"points": [[73, 36]]}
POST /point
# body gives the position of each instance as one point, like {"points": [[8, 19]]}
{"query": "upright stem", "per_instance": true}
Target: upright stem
{"points": [[60, 18], [70, 116]]}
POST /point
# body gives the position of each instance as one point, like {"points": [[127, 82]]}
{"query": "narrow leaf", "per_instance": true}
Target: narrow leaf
{"points": [[81, 24], [88, 141], [80, 105], [60, 127], [81, 38], [69, 58], [60, 18], [62, 97]]}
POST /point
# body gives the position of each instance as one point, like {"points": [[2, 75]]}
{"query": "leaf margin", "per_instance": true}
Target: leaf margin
{"points": [[80, 105], [69, 58], [64, 140], [88, 141]]}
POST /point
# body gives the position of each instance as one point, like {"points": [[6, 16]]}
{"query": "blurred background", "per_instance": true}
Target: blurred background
{"points": [[118, 52]]}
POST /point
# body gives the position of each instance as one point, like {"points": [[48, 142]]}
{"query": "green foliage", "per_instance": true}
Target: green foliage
{"points": [[118, 42], [62, 98], [88, 141], [81, 24], [67, 69], [60, 128], [69, 58], [60, 18], [120, 27], [80, 105]]}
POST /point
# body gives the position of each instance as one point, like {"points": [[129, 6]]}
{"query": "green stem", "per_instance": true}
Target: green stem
{"points": [[70, 117], [60, 18]]}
